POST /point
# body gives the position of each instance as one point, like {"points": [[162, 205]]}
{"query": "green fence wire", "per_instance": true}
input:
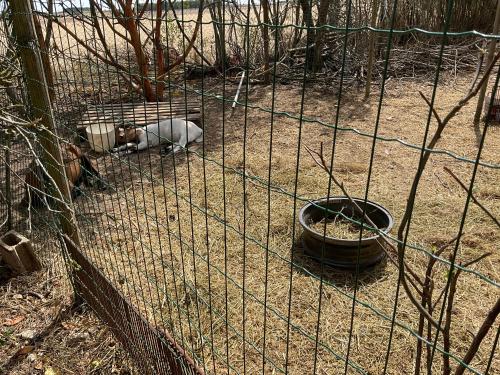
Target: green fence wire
{"points": [[206, 243]]}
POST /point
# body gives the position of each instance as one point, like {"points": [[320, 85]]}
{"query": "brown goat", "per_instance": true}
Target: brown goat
{"points": [[78, 169], [125, 135]]}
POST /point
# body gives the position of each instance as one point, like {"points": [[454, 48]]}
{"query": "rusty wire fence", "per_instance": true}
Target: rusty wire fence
{"points": [[197, 260]]}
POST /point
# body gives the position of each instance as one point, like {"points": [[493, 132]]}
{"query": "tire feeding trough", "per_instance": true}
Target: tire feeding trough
{"points": [[339, 247]]}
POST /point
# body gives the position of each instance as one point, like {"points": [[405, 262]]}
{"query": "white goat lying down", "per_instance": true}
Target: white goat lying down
{"points": [[176, 131]]}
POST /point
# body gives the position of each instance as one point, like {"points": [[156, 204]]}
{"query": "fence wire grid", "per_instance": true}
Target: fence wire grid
{"points": [[197, 259]]}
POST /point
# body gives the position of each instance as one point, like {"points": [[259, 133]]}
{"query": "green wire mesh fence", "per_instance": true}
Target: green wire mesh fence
{"points": [[196, 259]]}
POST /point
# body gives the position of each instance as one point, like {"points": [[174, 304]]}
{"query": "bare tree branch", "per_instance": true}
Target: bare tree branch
{"points": [[190, 45], [436, 115], [90, 49], [108, 22], [437, 135], [183, 32], [322, 163], [474, 346], [474, 199]]}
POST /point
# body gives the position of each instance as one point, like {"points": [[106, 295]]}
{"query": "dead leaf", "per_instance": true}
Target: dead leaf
{"points": [[13, 321], [68, 326], [24, 350]]}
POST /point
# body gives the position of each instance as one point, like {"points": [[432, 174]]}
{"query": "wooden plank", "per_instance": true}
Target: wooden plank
{"points": [[147, 105], [141, 108], [138, 122], [139, 113], [125, 112], [136, 116]]}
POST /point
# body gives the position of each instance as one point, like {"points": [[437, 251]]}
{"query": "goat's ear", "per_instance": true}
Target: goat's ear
{"points": [[139, 131], [75, 150]]}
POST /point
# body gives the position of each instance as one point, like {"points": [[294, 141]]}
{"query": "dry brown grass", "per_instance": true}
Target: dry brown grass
{"points": [[154, 241], [339, 227]]}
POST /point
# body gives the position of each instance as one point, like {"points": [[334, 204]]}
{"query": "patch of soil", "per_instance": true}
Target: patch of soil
{"points": [[40, 333]]}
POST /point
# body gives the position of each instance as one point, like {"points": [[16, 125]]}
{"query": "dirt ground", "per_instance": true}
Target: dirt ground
{"points": [[42, 333]]}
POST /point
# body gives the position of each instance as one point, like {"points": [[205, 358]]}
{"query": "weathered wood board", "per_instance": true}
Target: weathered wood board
{"points": [[139, 114]]}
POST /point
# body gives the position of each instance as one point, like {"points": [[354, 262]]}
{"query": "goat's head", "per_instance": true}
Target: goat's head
{"points": [[70, 152], [125, 135]]}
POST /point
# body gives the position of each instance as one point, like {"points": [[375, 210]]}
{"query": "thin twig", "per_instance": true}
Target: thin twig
{"points": [[60, 199], [4, 222], [28, 220], [436, 115], [486, 211], [468, 264]]}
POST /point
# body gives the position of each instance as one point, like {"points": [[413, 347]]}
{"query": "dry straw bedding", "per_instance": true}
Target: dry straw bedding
{"points": [[138, 245], [338, 227]]}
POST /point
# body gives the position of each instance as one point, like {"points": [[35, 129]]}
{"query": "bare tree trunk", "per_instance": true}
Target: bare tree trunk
{"points": [[371, 50], [22, 24], [322, 14], [216, 14], [48, 29], [281, 18], [135, 41], [44, 52], [160, 62], [265, 37], [491, 54], [213, 15], [308, 19], [297, 32]]}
